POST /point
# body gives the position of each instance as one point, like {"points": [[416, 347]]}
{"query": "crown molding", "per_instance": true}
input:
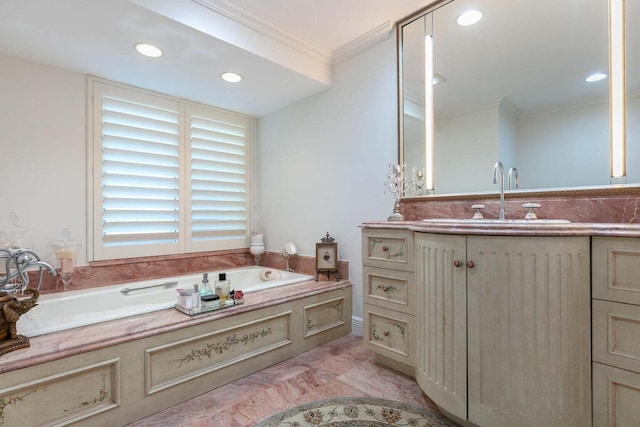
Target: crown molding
{"points": [[364, 42], [243, 16], [414, 96]]}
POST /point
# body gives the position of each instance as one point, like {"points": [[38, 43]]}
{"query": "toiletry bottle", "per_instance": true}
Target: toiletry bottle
{"points": [[205, 289], [223, 286], [196, 296]]}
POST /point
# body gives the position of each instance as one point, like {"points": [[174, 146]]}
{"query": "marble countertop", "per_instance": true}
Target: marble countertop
{"points": [[529, 228], [66, 343]]}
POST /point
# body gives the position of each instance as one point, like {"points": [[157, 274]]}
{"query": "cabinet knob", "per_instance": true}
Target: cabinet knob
{"points": [[457, 263], [470, 264]]}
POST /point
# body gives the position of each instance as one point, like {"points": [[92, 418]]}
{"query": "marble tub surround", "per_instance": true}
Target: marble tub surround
{"points": [[582, 208], [79, 340], [104, 273]]}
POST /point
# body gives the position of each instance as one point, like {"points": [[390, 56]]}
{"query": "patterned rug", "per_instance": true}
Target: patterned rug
{"points": [[356, 412]]}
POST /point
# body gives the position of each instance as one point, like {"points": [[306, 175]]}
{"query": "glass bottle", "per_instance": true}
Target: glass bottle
{"points": [[223, 286], [205, 289]]}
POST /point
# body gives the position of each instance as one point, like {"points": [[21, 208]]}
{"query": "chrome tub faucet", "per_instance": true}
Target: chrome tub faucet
{"points": [[17, 263]]}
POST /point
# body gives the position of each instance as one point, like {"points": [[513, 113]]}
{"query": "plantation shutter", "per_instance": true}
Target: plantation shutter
{"points": [[140, 192], [219, 166], [169, 176]]}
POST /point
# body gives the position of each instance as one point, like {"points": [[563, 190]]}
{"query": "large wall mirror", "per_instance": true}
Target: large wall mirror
{"points": [[513, 87]]}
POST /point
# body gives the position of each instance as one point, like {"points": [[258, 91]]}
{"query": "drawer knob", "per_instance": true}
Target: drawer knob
{"points": [[470, 264], [457, 263]]}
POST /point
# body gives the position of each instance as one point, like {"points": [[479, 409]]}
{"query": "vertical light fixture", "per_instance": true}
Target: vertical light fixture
{"points": [[617, 107], [428, 102]]}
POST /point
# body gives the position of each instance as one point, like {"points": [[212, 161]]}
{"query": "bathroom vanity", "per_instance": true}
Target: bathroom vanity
{"points": [[497, 320]]}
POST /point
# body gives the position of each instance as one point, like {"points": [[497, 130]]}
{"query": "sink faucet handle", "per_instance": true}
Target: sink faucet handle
{"points": [[531, 206], [478, 211]]}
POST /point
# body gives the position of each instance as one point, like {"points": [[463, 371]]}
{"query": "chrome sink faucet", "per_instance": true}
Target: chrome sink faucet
{"points": [[498, 168], [513, 176]]}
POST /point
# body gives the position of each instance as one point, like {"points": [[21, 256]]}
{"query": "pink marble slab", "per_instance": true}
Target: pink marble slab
{"points": [[61, 344], [104, 273], [578, 207], [511, 229]]}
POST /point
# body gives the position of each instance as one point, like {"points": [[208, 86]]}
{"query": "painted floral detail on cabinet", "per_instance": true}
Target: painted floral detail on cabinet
{"points": [[313, 323], [387, 250], [103, 394], [386, 333], [387, 288], [14, 400], [221, 346]]}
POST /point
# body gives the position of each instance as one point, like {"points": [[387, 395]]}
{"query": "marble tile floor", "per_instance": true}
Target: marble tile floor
{"points": [[340, 368]]}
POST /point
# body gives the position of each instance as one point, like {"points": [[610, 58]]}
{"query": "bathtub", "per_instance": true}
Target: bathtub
{"points": [[70, 309]]}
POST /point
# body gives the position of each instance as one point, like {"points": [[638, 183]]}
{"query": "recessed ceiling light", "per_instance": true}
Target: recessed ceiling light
{"points": [[231, 77], [596, 77], [469, 17], [148, 50]]}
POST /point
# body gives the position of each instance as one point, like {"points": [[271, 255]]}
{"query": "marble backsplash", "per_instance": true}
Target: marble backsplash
{"points": [[104, 273], [578, 207]]}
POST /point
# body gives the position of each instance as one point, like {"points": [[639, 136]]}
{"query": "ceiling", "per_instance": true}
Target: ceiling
{"points": [[532, 71], [284, 49]]}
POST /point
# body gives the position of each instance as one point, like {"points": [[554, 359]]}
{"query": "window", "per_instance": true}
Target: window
{"points": [[167, 176]]}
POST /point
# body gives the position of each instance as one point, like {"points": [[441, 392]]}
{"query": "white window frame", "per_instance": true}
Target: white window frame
{"points": [[96, 250]]}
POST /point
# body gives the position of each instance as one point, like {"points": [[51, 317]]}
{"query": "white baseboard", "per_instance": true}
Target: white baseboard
{"points": [[357, 325]]}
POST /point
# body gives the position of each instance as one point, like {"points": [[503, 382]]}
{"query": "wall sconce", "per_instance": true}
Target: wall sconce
{"points": [[617, 87]]}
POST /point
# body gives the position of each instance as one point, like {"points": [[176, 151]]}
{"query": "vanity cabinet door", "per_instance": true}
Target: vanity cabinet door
{"points": [[389, 288], [528, 331], [390, 334], [385, 248], [616, 393], [616, 269], [441, 314]]}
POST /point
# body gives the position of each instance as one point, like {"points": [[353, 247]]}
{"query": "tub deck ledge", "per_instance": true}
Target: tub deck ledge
{"points": [[70, 342]]}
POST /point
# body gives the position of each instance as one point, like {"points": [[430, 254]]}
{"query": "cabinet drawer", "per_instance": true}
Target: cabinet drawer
{"points": [[388, 249], [389, 333], [389, 288], [616, 397], [616, 334], [616, 269]]}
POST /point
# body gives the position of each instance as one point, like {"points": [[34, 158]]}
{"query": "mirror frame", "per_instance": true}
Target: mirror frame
{"points": [[632, 189]]}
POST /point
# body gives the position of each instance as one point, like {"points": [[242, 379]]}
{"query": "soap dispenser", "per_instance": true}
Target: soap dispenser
{"points": [[205, 289]]}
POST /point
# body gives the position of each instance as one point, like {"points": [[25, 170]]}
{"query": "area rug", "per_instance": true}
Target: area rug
{"points": [[356, 412]]}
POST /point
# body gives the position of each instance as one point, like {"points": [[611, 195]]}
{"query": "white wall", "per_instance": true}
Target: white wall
{"points": [[579, 140], [324, 160], [633, 138], [466, 148], [507, 136], [42, 151]]}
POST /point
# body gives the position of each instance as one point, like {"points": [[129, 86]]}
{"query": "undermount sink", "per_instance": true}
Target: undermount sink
{"points": [[495, 221]]}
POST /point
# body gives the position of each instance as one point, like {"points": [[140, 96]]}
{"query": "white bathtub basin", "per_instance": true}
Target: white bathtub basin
{"points": [[66, 310]]}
